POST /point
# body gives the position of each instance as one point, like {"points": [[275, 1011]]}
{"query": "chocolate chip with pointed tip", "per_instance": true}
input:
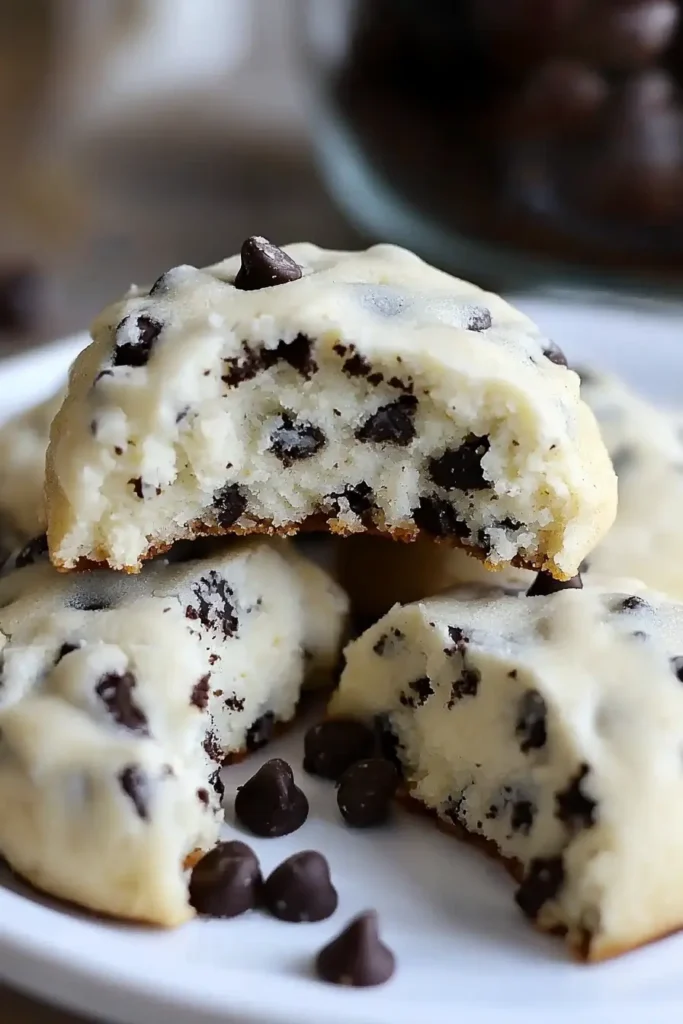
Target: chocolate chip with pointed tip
{"points": [[333, 746], [365, 792], [226, 882], [264, 265], [357, 956], [554, 353], [545, 584], [301, 889], [271, 804]]}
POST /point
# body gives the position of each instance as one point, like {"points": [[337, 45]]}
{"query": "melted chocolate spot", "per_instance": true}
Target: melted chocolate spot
{"points": [[229, 504], [421, 690], [214, 607], [200, 692], [543, 881], [460, 468], [116, 693], [436, 516], [135, 785], [531, 725], [293, 441], [391, 424], [573, 807]]}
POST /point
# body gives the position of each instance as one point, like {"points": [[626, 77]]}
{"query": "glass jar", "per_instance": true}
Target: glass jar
{"points": [[516, 140]]}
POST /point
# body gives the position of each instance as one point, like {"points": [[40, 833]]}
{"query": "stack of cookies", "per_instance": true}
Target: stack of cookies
{"points": [[167, 626]]}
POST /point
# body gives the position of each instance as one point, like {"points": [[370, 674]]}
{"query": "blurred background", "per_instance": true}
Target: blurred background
{"points": [[523, 143]]}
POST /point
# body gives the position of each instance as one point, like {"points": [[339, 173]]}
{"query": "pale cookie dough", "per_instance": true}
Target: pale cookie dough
{"points": [[646, 541], [23, 443], [645, 443], [369, 393], [121, 698], [552, 727]]}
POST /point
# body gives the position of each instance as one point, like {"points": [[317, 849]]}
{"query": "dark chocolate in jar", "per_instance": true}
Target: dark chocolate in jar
{"points": [[550, 126]]}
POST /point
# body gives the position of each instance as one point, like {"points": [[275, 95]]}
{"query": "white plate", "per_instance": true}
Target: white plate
{"points": [[464, 952]]}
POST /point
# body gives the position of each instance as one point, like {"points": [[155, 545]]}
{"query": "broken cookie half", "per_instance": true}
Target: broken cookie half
{"points": [[548, 724], [123, 696], [296, 389]]}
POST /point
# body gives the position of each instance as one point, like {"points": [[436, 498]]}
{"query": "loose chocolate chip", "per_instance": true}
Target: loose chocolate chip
{"points": [[554, 353], [260, 732], [300, 889], [292, 440], [531, 725], [213, 605], [677, 667], [360, 499], [542, 882], [333, 746], [460, 468], [264, 265], [21, 297], [229, 504], [522, 817], [226, 882], [34, 550], [271, 804], [66, 649], [466, 685], [545, 584], [479, 319], [200, 692], [116, 693], [437, 517], [136, 353], [203, 796], [391, 424], [420, 689], [365, 792], [135, 785], [357, 957], [573, 807]]}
